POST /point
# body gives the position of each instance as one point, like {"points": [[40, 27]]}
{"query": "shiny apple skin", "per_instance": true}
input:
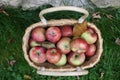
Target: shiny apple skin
{"points": [[53, 55], [38, 34], [76, 59], [53, 34], [79, 45], [38, 54], [64, 45], [66, 30], [91, 50]]}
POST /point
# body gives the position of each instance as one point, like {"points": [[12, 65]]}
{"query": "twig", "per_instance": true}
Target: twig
{"points": [[117, 41], [78, 77], [3, 11]]}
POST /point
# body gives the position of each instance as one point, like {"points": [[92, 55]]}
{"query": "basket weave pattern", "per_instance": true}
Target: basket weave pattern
{"points": [[50, 67]]}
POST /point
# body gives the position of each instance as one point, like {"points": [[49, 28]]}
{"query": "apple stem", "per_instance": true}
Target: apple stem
{"points": [[38, 53], [76, 56], [66, 47], [53, 34], [53, 51]]}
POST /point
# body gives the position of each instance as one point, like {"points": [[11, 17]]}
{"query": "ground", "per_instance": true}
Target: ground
{"points": [[13, 66]]}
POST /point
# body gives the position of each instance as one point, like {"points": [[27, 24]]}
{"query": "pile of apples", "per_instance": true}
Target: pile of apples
{"points": [[57, 45]]}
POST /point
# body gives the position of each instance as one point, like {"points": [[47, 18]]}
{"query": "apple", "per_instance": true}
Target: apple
{"points": [[38, 54], [90, 36], [79, 45], [33, 43], [38, 34], [76, 59], [53, 55], [48, 45], [64, 45], [91, 50], [53, 34], [62, 61], [66, 30]]}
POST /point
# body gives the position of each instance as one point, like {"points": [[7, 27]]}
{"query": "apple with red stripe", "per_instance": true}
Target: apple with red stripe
{"points": [[76, 59], [66, 30], [79, 45], [64, 45], [53, 34], [90, 36], [38, 54], [91, 50], [53, 55], [62, 61], [38, 34]]}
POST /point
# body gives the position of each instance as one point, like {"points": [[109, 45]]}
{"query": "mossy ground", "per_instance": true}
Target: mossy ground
{"points": [[12, 29]]}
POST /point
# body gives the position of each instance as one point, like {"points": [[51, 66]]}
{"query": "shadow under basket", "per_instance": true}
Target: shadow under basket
{"points": [[66, 70]]}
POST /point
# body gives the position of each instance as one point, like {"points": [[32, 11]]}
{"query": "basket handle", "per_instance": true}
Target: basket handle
{"points": [[74, 73], [63, 73], [63, 8]]}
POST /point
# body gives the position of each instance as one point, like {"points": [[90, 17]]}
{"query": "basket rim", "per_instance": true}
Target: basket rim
{"points": [[59, 23]]}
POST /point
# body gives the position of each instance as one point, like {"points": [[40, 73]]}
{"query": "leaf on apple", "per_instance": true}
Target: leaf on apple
{"points": [[79, 28]]}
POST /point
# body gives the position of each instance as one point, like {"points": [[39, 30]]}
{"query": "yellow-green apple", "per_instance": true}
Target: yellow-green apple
{"points": [[91, 50], [38, 34], [38, 54], [76, 59], [53, 34], [33, 43], [66, 30], [90, 36], [53, 55], [48, 45], [62, 61], [64, 45], [79, 45]]}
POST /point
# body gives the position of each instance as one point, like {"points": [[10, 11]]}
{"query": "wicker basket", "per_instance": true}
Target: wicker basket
{"points": [[67, 70]]}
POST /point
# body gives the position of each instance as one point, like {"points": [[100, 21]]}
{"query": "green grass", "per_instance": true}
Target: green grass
{"points": [[12, 29]]}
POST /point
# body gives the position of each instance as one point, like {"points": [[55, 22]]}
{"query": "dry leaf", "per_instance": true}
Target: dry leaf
{"points": [[96, 15], [101, 75], [12, 62], [117, 41], [109, 16], [27, 77], [53, 79], [78, 77], [3, 11], [10, 40], [79, 28]]}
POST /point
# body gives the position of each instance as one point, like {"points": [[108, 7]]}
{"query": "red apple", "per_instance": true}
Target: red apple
{"points": [[64, 45], [79, 45], [38, 34], [76, 59], [66, 30], [53, 55], [90, 36], [62, 61], [38, 54], [53, 34], [91, 50], [33, 43]]}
